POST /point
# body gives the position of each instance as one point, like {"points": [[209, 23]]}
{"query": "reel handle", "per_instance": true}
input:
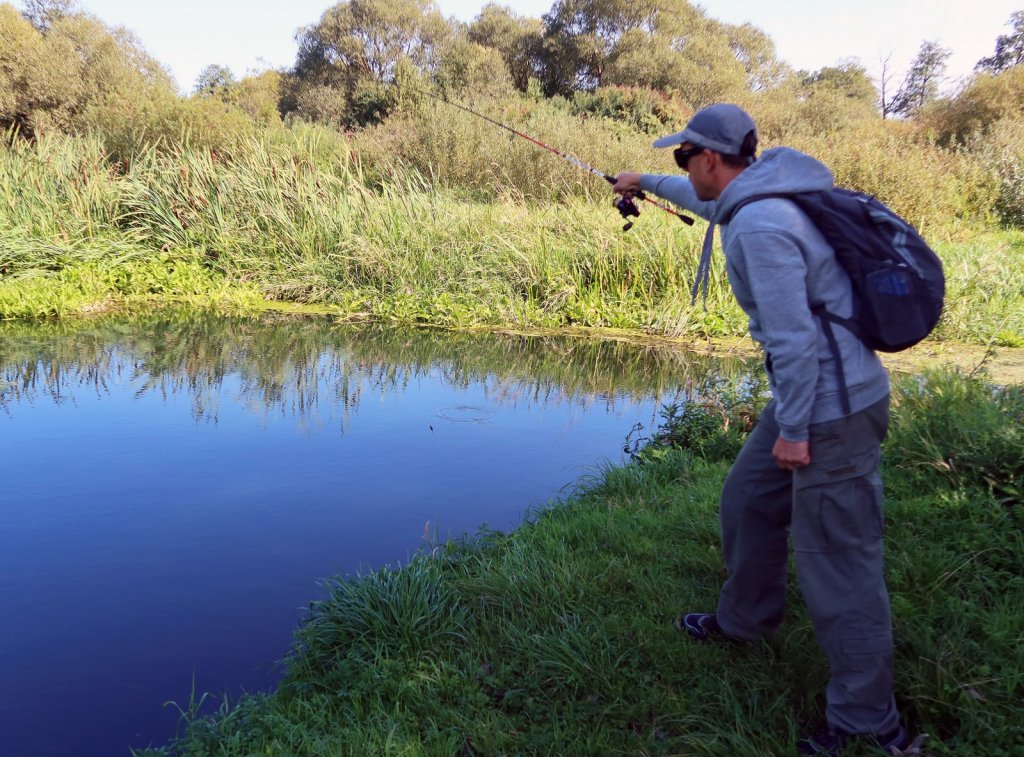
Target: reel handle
{"points": [[627, 208]]}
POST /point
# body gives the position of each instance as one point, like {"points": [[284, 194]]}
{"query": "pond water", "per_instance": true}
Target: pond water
{"points": [[175, 486]]}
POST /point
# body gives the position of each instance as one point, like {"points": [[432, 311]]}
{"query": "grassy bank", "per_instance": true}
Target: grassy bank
{"points": [[557, 638], [295, 219]]}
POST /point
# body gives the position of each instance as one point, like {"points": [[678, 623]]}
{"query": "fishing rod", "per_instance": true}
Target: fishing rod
{"points": [[623, 204]]}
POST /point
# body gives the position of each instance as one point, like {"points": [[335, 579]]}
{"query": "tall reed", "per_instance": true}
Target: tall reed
{"points": [[298, 215]]}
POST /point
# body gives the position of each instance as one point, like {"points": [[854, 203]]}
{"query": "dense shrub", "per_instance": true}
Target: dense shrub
{"points": [[933, 188], [948, 430], [958, 165], [132, 125], [984, 120], [470, 69], [318, 103], [1000, 153], [713, 422], [796, 111], [259, 96], [986, 100], [643, 109], [457, 150]]}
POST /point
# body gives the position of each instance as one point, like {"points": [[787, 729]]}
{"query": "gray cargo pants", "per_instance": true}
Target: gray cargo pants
{"points": [[834, 509]]}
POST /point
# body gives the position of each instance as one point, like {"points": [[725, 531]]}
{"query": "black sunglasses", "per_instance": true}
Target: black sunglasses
{"points": [[683, 155]]}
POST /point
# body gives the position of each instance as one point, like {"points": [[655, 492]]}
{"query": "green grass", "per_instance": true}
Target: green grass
{"points": [[93, 278], [557, 638], [295, 218], [984, 289]]}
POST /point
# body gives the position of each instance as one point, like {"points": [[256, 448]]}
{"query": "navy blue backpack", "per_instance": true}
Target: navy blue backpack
{"points": [[898, 283]]}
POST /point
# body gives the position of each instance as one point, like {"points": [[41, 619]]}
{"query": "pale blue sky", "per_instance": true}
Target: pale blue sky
{"points": [[244, 35]]}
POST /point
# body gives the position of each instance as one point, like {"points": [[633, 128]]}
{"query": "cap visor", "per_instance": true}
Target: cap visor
{"points": [[672, 139]]}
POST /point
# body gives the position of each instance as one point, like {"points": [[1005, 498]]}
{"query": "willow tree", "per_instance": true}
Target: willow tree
{"points": [[468, 69], [357, 47], [698, 58], [582, 39], [921, 84], [214, 81], [256, 95], [43, 13], [670, 45], [56, 69], [516, 38], [847, 79], [755, 50], [975, 110], [1009, 48]]}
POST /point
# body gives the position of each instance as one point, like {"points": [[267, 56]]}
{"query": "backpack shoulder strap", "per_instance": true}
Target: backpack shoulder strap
{"points": [[752, 199]]}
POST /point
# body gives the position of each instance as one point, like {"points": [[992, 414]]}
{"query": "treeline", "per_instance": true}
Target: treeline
{"points": [[597, 77]]}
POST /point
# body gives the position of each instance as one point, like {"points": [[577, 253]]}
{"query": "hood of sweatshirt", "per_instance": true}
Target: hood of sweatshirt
{"points": [[781, 170]]}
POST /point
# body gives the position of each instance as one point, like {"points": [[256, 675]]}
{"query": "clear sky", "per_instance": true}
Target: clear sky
{"points": [[245, 35]]}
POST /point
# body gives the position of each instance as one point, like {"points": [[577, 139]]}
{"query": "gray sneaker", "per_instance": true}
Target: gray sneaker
{"points": [[830, 742]]}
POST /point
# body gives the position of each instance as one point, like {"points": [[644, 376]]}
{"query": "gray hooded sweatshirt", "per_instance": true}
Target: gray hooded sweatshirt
{"points": [[778, 265]]}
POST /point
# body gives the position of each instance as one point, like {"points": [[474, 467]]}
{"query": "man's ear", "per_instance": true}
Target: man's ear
{"points": [[714, 161]]}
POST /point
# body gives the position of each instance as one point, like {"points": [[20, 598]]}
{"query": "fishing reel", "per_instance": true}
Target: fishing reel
{"points": [[627, 208]]}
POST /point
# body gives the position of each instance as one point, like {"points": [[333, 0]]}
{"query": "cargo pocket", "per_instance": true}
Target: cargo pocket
{"points": [[838, 507], [869, 654]]}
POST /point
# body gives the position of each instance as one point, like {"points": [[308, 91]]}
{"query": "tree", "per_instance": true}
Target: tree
{"points": [[517, 40], [847, 79], [921, 84], [669, 45], [259, 96], [55, 76], [43, 13], [884, 80], [756, 51], [356, 50], [1009, 48], [368, 38], [469, 68], [831, 99], [582, 37], [978, 107], [686, 53], [214, 80]]}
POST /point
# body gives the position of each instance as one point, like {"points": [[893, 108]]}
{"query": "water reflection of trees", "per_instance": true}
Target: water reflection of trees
{"points": [[285, 364]]}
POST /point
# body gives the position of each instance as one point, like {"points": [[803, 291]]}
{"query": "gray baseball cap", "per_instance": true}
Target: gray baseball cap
{"points": [[721, 127]]}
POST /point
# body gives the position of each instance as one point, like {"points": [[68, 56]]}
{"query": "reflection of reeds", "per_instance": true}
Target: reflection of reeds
{"points": [[283, 365]]}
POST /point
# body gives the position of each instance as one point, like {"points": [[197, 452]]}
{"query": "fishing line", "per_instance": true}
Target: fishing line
{"points": [[624, 205]]}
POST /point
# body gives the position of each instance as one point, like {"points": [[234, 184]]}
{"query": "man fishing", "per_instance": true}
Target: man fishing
{"points": [[810, 467]]}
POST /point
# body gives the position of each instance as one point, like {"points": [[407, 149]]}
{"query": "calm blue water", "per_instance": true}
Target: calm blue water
{"points": [[173, 488]]}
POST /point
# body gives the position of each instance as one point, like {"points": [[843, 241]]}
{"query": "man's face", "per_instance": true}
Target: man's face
{"points": [[696, 163]]}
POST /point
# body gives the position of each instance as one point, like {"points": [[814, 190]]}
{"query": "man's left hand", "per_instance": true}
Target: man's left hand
{"points": [[791, 455]]}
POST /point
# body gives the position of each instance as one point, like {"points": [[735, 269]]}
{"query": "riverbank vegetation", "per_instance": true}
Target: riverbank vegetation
{"points": [[341, 183], [558, 637], [296, 218]]}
